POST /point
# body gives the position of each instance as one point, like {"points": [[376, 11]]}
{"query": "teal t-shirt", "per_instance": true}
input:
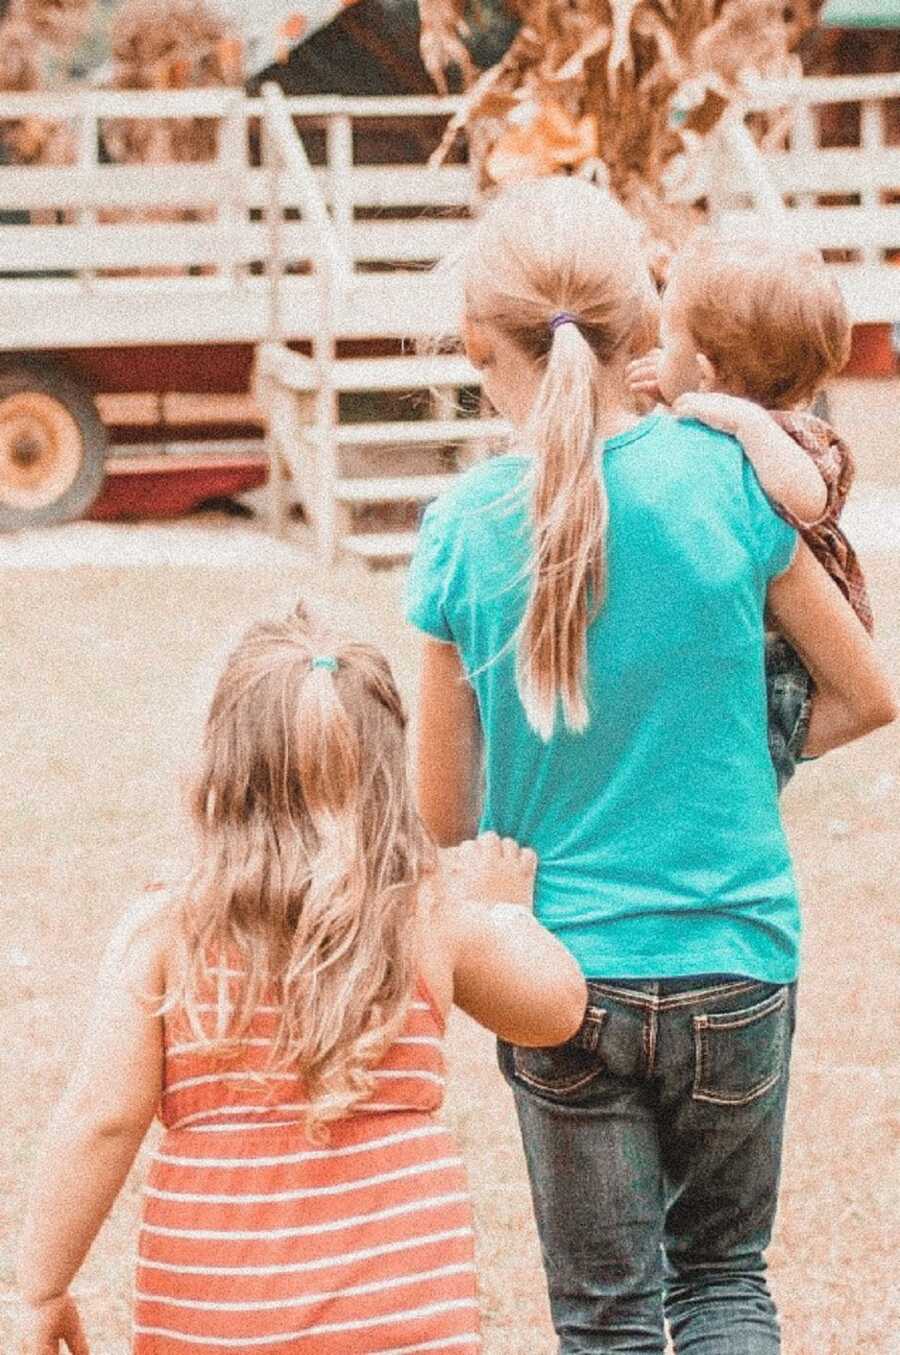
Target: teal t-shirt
{"points": [[659, 840]]}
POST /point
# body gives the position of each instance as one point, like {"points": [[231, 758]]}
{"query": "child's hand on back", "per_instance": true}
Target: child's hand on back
{"points": [[642, 375], [491, 869]]}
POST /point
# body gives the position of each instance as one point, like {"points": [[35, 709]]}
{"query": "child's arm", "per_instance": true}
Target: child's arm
{"points": [[448, 751], [509, 973], [97, 1127], [853, 695], [786, 471]]}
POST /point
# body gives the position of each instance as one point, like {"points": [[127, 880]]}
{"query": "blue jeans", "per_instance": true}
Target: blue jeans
{"points": [[789, 693], [653, 1143]]}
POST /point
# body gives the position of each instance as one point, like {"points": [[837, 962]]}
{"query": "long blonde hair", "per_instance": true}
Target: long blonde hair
{"points": [[309, 852], [544, 247]]}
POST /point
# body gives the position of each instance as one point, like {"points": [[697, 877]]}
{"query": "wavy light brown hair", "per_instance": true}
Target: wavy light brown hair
{"points": [[309, 854], [543, 247], [766, 311]]}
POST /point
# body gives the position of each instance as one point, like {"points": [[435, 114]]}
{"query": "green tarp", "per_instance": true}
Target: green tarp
{"points": [[861, 14]]}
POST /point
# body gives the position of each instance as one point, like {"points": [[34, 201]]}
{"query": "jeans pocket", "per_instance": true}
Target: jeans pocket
{"points": [[740, 1055], [563, 1070]]}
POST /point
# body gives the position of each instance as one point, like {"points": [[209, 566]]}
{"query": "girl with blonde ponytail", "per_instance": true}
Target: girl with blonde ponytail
{"points": [[282, 1013], [554, 272], [592, 686]]}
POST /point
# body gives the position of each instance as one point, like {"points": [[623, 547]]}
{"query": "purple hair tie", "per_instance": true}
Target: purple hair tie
{"points": [[563, 318]]}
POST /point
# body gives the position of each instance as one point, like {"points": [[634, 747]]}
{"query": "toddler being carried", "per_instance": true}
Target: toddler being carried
{"points": [[751, 329]]}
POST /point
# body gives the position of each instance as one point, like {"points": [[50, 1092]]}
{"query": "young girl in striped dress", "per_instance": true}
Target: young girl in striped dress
{"points": [[303, 1196]]}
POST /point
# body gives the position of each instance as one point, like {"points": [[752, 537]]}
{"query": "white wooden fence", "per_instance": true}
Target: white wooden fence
{"points": [[106, 220], [274, 249], [844, 200]]}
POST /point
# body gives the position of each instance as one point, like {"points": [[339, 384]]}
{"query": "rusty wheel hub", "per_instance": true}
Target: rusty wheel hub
{"points": [[41, 450]]}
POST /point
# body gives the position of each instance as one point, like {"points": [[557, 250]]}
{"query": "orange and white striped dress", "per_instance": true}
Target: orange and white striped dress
{"points": [[255, 1239]]}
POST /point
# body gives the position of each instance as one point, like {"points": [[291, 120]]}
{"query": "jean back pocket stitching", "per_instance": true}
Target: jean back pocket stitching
{"points": [[746, 1017], [707, 1022], [562, 1088], [586, 1039], [723, 1098]]}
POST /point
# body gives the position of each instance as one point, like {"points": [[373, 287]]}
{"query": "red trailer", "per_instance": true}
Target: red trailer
{"points": [[134, 298]]}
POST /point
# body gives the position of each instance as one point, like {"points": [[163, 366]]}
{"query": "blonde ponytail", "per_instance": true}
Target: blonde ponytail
{"points": [[309, 855], [544, 247], [569, 517]]}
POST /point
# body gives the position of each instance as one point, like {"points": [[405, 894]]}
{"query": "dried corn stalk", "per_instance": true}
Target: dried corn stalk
{"points": [[622, 91], [31, 32], [169, 44], [60, 23]]}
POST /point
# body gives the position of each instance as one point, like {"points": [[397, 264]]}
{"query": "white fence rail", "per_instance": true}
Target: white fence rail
{"points": [[90, 222], [842, 199], [283, 237]]}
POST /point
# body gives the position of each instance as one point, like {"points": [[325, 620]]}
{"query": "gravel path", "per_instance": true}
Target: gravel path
{"points": [[872, 521], [198, 541]]}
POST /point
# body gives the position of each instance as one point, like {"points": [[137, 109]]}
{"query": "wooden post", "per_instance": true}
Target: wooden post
{"points": [[87, 159], [333, 271], [275, 271], [233, 206], [739, 143], [804, 141], [326, 518], [871, 138], [330, 518], [339, 140]]}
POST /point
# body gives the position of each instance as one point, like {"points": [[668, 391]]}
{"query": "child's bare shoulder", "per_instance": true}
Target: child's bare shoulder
{"points": [[143, 935]]}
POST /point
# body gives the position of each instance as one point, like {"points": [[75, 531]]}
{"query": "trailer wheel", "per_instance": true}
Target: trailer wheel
{"points": [[52, 446]]}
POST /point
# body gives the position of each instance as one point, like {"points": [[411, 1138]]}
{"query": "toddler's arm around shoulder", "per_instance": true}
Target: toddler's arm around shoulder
{"points": [[827, 450]]}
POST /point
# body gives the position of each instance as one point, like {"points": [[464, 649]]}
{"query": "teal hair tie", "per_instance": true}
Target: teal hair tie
{"points": [[325, 661]]}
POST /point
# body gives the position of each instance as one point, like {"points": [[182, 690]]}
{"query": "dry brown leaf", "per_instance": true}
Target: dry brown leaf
{"points": [[573, 68], [20, 68], [548, 142], [621, 53], [60, 23], [441, 43]]}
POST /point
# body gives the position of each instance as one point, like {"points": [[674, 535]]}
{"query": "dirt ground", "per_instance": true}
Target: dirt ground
{"points": [[103, 673]]}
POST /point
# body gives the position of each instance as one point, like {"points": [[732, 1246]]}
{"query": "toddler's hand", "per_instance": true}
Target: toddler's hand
{"points": [[42, 1326], [642, 376], [727, 413], [496, 870]]}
